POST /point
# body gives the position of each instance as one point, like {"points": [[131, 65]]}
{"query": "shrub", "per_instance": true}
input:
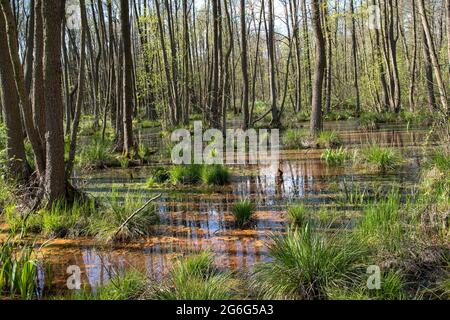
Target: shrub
{"points": [[194, 278], [305, 265], [243, 212], [215, 175], [383, 159]]}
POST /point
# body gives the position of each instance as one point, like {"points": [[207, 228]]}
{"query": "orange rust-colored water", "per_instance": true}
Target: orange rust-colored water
{"points": [[192, 220]]}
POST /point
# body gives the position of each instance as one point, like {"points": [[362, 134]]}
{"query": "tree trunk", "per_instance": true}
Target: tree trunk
{"points": [[355, 58], [381, 69], [428, 73], [244, 61], [316, 115], [38, 77], [215, 91], [448, 36], [80, 93], [25, 103], [329, 60], [55, 178], [273, 87], [15, 150], [434, 58], [127, 79]]}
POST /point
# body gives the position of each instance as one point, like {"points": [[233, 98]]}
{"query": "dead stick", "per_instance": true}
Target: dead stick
{"points": [[136, 213]]}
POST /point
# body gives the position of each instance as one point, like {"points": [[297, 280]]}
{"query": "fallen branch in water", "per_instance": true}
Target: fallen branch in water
{"points": [[135, 214]]}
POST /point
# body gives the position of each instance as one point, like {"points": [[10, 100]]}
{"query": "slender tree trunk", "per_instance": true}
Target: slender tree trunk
{"points": [[128, 143], [38, 77], [273, 87], [30, 47], [298, 53], [329, 59], [316, 115], [431, 98], [80, 94], [381, 69], [355, 58], [187, 73], [434, 58], [215, 92], [448, 36], [244, 61], [307, 51], [170, 91]]}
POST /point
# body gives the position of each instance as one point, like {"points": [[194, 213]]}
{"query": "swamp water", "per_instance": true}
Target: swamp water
{"points": [[194, 219]]}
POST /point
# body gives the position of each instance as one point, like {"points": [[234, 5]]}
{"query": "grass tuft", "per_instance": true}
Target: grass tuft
{"points": [[329, 139], [243, 212], [95, 154], [298, 215], [305, 265], [186, 174], [194, 278], [383, 159], [117, 211], [127, 286], [336, 157], [294, 138], [215, 175]]}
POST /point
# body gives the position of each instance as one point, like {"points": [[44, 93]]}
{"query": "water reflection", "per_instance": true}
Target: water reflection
{"points": [[191, 221]]}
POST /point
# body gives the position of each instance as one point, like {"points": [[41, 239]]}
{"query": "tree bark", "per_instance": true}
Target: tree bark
{"points": [[15, 150], [128, 143], [80, 93], [273, 87], [38, 77], [316, 115], [25, 103], [448, 36], [434, 58], [244, 61], [55, 178], [355, 58]]}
